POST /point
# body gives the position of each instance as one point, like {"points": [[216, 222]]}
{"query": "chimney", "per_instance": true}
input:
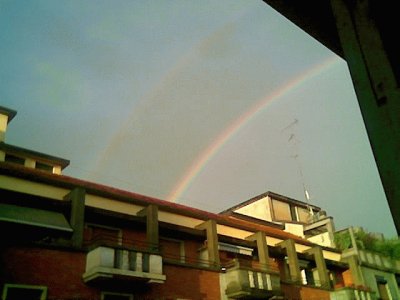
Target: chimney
{"points": [[6, 115]]}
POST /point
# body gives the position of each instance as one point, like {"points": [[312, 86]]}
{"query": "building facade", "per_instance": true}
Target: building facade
{"points": [[375, 269], [66, 238]]}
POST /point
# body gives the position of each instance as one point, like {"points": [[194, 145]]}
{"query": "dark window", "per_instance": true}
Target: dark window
{"points": [[19, 292], [44, 167], [14, 159], [383, 288], [103, 235], [115, 296], [173, 249]]}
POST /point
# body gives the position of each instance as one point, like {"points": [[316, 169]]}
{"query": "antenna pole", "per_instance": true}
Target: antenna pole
{"points": [[293, 138]]}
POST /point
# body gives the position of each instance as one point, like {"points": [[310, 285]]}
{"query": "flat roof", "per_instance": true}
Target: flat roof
{"points": [[34, 154], [8, 112], [273, 196]]}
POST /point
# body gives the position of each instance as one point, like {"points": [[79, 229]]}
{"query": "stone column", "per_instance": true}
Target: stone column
{"points": [[151, 214], [316, 251], [77, 219], [262, 247], [356, 274], [210, 227], [331, 231], [294, 267]]}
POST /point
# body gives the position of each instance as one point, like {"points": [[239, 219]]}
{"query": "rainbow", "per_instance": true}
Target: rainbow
{"points": [[205, 156]]}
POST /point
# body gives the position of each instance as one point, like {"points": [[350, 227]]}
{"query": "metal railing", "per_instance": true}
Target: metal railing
{"points": [[110, 240], [134, 245], [250, 265]]}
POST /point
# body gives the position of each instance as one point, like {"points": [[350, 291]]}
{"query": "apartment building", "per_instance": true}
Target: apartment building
{"points": [[67, 238]]}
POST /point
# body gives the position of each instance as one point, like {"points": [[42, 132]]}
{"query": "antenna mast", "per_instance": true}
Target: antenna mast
{"points": [[295, 141]]}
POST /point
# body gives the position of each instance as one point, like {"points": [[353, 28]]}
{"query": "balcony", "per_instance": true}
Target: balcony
{"points": [[248, 280], [378, 261], [110, 262], [350, 293]]}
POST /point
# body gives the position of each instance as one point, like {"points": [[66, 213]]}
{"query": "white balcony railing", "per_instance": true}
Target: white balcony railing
{"points": [[107, 262], [243, 280]]}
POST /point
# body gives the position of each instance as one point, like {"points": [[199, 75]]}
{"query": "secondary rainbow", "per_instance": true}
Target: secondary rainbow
{"points": [[201, 161]]}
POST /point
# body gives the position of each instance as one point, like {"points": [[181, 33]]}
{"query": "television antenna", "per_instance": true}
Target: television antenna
{"points": [[295, 141]]}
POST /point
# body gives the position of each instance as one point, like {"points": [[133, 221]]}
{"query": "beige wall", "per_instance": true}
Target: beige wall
{"points": [[296, 229], [3, 127], [33, 188], [322, 239], [112, 205], [259, 209]]}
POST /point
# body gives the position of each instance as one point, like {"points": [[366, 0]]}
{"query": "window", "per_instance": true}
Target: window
{"points": [[25, 292], [281, 210], [303, 214], [103, 235], [14, 159], [44, 167], [173, 249], [115, 296], [383, 288]]}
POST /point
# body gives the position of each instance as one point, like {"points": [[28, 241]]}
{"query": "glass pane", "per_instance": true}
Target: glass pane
{"points": [[303, 214], [281, 210], [116, 297], [23, 294]]}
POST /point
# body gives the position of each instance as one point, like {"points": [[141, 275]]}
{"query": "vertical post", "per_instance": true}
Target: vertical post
{"points": [[210, 227], [294, 267], [355, 270], [316, 251], [377, 91], [151, 214], [262, 247], [353, 239], [77, 219], [331, 231]]}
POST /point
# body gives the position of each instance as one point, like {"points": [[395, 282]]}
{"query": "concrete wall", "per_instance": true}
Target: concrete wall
{"points": [[259, 209], [296, 229], [322, 239]]}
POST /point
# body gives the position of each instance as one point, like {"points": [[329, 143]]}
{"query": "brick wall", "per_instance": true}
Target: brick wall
{"points": [[301, 292], [60, 271], [185, 283]]}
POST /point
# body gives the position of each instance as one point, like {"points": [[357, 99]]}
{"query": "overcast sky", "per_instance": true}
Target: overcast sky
{"points": [[204, 103]]}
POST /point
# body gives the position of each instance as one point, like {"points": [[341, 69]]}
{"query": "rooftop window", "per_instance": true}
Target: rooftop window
{"points": [[44, 167], [14, 159]]}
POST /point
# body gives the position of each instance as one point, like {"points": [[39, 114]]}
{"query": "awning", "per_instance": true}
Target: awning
{"points": [[33, 217]]}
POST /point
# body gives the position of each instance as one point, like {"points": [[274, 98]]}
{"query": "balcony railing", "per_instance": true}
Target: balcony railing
{"points": [[111, 240], [350, 293], [251, 279], [111, 260], [379, 261]]}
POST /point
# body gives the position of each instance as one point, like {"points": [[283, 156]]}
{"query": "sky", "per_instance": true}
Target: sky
{"points": [[203, 103]]}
